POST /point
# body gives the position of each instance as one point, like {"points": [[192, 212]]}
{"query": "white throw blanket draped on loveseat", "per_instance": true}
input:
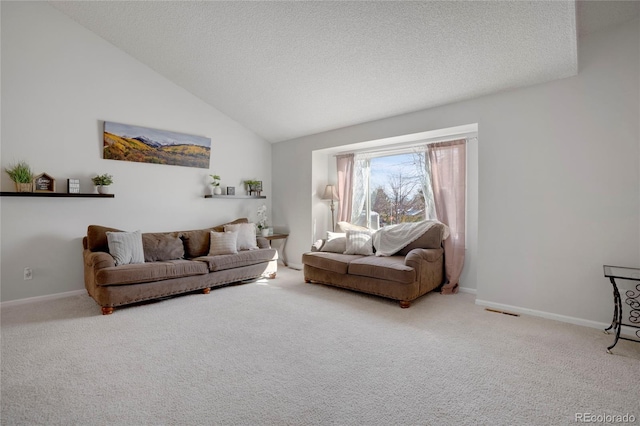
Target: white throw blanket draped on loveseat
{"points": [[392, 238]]}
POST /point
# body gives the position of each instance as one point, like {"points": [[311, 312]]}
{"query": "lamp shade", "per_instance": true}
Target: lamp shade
{"points": [[330, 193]]}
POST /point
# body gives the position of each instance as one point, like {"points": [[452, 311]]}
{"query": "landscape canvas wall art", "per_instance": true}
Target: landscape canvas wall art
{"points": [[143, 145]]}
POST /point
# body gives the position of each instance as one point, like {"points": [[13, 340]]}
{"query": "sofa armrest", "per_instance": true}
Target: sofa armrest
{"points": [[422, 254], [262, 242], [98, 259], [317, 245], [429, 267]]}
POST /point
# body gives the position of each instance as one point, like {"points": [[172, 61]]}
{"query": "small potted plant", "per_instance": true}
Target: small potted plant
{"points": [[21, 174], [216, 184], [102, 182], [262, 221], [253, 186]]}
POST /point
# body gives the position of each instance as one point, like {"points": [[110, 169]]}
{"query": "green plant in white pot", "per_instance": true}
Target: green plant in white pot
{"points": [[102, 183], [215, 184], [21, 174]]}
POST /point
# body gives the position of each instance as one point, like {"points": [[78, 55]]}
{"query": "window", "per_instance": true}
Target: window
{"points": [[392, 188]]}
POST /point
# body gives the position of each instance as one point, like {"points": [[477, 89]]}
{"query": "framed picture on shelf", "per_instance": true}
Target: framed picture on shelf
{"points": [[44, 183], [73, 186], [231, 190]]}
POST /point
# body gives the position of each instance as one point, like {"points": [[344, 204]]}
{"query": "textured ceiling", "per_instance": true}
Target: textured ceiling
{"points": [[289, 69]]}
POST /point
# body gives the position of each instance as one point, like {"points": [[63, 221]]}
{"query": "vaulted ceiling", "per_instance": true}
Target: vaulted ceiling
{"points": [[290, 69]]}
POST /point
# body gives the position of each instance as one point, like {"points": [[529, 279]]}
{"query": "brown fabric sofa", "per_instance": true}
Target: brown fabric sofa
{"points": [[410, 273], [175, 263]]}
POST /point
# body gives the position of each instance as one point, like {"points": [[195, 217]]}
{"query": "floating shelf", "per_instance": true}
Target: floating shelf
{"points": [[235, 196], [54, 195]]}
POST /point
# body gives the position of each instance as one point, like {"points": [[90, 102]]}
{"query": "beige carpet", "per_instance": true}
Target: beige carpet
{"points": [[281, 352]]}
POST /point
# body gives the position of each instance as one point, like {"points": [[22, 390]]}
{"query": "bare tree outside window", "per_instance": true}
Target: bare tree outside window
{"points": [[403, 190], [395, 189]]}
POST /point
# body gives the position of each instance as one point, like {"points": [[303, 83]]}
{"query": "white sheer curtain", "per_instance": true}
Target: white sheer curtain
{"points": [[423, 171], [345, 186], [360, 187]]}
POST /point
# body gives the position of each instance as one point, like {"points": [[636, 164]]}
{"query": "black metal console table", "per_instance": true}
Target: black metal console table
{"points": [[632, 299]]}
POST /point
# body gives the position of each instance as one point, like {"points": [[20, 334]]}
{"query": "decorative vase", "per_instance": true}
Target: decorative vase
{"points": [[265, 232], [23, 187], [217, 190], [104, 189]]}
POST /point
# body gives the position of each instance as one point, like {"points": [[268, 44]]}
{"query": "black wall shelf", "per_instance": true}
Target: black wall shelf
{"points": [[54, 195], [235, 196]]}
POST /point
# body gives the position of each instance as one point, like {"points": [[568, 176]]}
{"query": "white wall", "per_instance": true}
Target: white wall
{"points": [[59, 82], [559, 183]]}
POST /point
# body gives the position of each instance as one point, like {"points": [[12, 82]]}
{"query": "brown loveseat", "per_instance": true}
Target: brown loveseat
{"points": [[175, 263], [415, 270]]}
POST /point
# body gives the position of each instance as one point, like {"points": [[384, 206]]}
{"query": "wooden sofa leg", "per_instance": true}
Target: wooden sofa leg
{"points": [[107, 310], [206, 290], [404, 304], [272, 275]]}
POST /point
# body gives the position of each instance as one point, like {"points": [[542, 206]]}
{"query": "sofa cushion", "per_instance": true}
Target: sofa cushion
{"points": [[242, 258], [162, 246], [223, 243], [334, 262], [126, 247], [390, 268], [148, 272], [97, 237]]}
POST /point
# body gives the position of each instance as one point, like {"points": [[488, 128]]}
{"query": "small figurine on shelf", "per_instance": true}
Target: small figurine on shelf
{"points": [[216, 184]]}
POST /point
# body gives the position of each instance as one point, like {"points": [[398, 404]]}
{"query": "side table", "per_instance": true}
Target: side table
{"points": [[281, 252], [632, 299]]}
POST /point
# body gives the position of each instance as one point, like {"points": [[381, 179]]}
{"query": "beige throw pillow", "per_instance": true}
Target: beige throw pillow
{"points": [[346, 226], [246, 235], [359, 242], [223, 243], [126, 247]]}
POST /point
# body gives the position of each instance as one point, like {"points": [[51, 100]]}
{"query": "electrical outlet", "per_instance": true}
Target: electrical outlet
{"points": [[28, 273]]}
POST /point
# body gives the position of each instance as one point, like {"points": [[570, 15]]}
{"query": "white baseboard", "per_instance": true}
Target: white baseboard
{"points": [[628, 331], [542, 314], [467, 290], [41, 298]]}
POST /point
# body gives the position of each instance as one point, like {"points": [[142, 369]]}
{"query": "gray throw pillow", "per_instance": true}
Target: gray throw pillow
{"points": [[126, 247]]}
